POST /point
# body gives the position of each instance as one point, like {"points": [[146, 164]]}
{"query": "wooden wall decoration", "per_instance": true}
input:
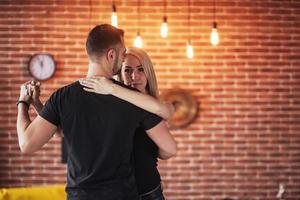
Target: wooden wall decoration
{"points": [[185, 107]]}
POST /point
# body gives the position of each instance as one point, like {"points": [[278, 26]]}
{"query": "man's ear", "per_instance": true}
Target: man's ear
{"points": [[111, 53]]}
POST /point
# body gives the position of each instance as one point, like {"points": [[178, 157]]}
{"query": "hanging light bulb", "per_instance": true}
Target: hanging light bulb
{"points": [[164, 28], [189, 50], [114, 17], [189, 47], [138, 42], [214, 35]]}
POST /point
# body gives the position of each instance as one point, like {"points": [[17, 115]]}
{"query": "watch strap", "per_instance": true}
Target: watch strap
{"points": [[24, 102]]}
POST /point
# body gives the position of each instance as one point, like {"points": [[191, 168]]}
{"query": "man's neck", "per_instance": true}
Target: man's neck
{"points": [[96, 69]]}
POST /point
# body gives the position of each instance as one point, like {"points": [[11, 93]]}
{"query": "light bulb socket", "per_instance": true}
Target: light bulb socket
{"points": [[138, 33], [214, 25], [114, 8], [165, 19], [189, 42]]}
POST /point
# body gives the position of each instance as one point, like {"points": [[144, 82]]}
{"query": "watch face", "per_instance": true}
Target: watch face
{"points": [[42, 66]]}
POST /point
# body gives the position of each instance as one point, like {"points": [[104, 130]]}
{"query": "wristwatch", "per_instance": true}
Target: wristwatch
{"points": [[24, 102]]}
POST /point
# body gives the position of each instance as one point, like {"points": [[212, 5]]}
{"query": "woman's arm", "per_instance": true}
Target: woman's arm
{"points": [[103, 85], [144, 101], [38, 105]]}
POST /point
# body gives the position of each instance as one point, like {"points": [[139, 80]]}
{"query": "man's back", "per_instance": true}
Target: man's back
{"points": [[99, 131]]}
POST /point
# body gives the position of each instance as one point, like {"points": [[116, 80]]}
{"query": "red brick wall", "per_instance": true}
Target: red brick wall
{"points": [[245, 139]]}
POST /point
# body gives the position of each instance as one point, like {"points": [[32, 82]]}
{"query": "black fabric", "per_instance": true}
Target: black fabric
{"points": [[106, 192], [145, 161], [99, 132], [156, 194]]}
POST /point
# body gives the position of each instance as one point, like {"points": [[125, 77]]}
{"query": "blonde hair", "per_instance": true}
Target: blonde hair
{"points": [[145, 61]]}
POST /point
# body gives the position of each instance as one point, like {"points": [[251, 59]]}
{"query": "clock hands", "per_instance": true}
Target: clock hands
{"points": [[42, 66]]}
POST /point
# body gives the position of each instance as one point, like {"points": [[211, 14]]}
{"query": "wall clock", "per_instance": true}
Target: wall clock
{"points": [[42, 66]]}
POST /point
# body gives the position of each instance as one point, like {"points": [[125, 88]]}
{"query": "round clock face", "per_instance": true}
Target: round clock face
{"points": [[42, 66]]}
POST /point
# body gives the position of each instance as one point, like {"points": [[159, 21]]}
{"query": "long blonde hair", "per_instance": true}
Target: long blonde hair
{"points": [[145, 61]]}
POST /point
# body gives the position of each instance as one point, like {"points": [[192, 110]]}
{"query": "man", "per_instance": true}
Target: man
{"points": [[98, 129]]}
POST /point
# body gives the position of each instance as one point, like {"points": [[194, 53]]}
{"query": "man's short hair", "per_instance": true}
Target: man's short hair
{"points": [[101, 38]]}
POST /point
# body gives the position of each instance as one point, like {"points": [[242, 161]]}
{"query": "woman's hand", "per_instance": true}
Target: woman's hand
{"points": [[33, 88], [59, 133], [171, 108], [99, 85]]}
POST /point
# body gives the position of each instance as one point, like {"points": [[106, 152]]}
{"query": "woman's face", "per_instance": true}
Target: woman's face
{"points": [[132, 73]]}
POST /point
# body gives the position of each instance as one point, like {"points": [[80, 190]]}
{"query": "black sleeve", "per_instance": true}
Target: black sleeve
{"points": [[50, 111], [150, 121]]}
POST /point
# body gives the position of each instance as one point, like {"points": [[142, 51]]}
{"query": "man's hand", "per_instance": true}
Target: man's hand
{"points": [[25, 93]]}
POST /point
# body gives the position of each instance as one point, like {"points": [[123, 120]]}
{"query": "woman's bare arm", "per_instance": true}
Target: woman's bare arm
{"points": [[103, 85]]}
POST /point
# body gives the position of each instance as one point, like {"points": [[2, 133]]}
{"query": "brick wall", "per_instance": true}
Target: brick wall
{"points": [[245, 139]]}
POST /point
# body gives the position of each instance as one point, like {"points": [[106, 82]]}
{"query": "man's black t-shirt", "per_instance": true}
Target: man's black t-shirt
{"points": [[99, 132]]}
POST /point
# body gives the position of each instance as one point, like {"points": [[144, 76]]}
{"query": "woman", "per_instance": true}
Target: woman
{"points": [[137, 71]]}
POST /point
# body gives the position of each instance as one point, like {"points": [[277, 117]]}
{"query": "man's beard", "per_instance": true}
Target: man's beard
{"points": [[116, 68]]}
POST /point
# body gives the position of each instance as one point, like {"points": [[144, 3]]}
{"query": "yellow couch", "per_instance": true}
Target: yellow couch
{"points": [[34, 193]]}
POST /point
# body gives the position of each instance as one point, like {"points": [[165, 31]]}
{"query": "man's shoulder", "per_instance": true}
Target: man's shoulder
{"points": [[72, 86], [65, 90]]}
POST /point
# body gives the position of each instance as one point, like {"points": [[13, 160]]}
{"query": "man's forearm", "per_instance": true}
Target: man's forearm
{"points": [[23, 122], [165, 155]]}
